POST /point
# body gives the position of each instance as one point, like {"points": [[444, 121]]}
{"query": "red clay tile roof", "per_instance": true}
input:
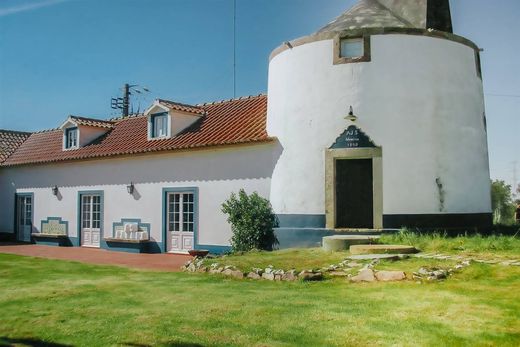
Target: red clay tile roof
{"points": [[182, 107], [10, 141], [225, 123], [92, 122]]}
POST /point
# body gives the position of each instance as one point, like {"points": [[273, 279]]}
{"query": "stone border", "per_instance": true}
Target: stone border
{"points": [[366, 272], [373, 31], [331, 155], [439, 256], [367, 52]]}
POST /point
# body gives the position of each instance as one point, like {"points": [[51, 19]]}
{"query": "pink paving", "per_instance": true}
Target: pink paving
{"points": [[156, 262]]}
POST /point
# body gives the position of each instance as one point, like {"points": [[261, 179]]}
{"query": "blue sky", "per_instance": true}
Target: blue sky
{"points": [[61, 57]]}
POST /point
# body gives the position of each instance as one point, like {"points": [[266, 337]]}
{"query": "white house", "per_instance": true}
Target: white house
{"points": [[375, 121]]}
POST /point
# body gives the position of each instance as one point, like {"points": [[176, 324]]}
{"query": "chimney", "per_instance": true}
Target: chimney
{"points": [[438, 15]]}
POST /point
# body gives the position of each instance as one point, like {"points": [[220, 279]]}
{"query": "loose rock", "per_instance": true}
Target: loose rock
{"points": [[254, 276], [338, 274], [268, 276], [289, 276], [386, 276], [308, 275], [365, 275]]}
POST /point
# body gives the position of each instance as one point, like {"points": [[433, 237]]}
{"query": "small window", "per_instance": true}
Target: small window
{"points": [[352, 48], [71, 138], [160, 125]]}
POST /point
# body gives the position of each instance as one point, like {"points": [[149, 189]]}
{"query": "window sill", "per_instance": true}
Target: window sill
{"points": [[159, 138]]}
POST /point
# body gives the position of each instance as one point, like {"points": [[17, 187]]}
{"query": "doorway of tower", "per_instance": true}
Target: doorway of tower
{"points": [[354, 194], [24, 217]]}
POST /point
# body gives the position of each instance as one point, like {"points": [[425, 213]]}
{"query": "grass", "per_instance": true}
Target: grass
{"points": [[67, 303], [493, 246], [299, 259]]}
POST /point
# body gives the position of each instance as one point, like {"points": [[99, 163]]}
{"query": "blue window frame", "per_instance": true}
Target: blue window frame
{"points": [[159, 125], [71, 137]]}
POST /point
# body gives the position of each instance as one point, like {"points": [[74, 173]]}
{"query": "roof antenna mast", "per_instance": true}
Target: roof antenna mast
{"points": [[234, 48], [124, 103]]}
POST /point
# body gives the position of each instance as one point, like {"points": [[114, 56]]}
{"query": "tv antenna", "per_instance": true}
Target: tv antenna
{"points": [[124, 103], [234, 48]]}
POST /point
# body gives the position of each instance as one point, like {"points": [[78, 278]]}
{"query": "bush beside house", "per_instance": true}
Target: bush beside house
{"points": [[252, 222]]}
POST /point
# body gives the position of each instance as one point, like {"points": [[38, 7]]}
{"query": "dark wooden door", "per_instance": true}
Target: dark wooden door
{"points": [[354, 194]]}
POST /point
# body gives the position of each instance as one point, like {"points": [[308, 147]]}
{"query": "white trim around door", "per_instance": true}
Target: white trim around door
{"points": [[180, 219], [91, 218]]}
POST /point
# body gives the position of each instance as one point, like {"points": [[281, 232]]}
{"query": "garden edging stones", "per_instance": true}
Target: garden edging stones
{"points": [[365, 271]]}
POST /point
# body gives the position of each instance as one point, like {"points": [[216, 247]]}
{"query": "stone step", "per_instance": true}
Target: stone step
{"points": [[377, 256], [337, 243], [385, 249]]}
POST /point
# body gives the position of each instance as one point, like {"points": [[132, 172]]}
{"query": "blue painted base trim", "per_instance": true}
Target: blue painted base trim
{"points": [[214, 249], [155, 247], [308, 237], [126, 247], [7, 237], [145, 247], [74, 241], [52, 241], [301, 220]]}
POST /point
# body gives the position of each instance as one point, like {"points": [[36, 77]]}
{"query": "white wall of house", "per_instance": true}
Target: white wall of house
{"points": [[419, 98], [216, 173]]}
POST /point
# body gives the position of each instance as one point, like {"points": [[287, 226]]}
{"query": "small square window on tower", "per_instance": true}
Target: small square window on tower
{"points": [[352, 48]]}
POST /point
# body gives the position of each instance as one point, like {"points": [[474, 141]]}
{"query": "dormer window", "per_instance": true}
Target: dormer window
{"points": [[159, 125], [71, 138], [167, 119], [79, 132]]}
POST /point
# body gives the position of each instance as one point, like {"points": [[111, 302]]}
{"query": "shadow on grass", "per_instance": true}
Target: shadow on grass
{"points": [[30, 342], [168, 344]]}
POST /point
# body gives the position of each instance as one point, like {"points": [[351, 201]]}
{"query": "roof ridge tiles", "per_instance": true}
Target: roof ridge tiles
{"points": [[233, 99], [90, 118]]}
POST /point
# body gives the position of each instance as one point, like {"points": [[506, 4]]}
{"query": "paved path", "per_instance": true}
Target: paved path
{"points": [[157, 262]]}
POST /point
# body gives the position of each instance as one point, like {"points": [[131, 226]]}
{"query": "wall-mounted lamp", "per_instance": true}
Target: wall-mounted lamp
{"points": [[55, 190], [130, 188], [351, 115]]}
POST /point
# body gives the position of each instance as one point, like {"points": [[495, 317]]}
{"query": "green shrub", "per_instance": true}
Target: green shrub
{"points": [[252, 221]]}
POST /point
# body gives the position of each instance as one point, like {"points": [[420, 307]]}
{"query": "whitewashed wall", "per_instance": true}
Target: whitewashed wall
{"points": [[419, 98], [216, 173]]}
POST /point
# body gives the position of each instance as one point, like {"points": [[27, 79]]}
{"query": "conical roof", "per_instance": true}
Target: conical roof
{"points": [[366, 14], [421, 14]]}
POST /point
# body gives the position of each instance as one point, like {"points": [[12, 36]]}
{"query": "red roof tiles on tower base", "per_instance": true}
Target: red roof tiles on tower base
{"points": [[225, 123]]}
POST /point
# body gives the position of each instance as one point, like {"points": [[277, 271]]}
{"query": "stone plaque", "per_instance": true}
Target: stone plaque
{"points": [[353, 137], [54, 226]]}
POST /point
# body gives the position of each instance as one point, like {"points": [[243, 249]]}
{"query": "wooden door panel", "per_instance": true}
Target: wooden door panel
{"points": [[354, 193]]}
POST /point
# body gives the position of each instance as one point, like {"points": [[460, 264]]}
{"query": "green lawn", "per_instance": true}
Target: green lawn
{"points": [[494, 246], [85, 305]]}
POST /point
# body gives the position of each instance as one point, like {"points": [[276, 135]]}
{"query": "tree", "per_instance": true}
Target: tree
{"points": [[502, 203], [252, 222]]}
